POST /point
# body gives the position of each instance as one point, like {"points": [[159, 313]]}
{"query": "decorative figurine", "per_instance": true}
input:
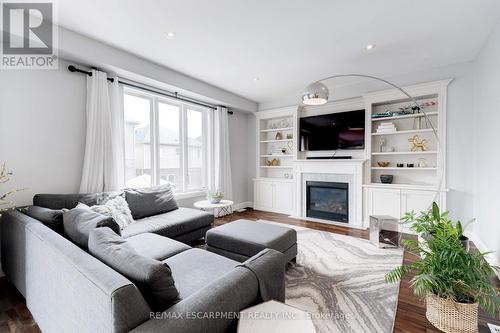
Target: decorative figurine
{"points": [[422, 163], [382, 145], [278, 136], [417, 143], [273, 162]]}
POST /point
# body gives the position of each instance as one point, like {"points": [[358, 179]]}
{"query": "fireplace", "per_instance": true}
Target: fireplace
{"points": [[327, 200]]}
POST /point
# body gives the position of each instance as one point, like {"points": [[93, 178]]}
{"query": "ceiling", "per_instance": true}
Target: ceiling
{"points": [[286, 43]]}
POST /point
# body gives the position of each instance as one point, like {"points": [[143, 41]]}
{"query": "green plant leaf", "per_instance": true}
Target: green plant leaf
{"points": [[460, 230], [435, 212]]}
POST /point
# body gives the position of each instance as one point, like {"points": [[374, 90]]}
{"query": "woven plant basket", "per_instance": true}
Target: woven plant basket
{"points": [[450, 316]]}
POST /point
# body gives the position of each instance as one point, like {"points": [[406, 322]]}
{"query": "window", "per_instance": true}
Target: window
{"points": [[165, 142], [138, 158]]}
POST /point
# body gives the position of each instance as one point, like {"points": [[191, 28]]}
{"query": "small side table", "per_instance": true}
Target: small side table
{"points": [[384, 231], [224, 207]]}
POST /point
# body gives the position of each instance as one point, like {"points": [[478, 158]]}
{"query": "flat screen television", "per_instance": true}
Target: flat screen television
{"points": [[344, 130]]}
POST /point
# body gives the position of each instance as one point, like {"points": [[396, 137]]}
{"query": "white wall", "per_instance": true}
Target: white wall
{"points": [[487, 158], [42, 130]]}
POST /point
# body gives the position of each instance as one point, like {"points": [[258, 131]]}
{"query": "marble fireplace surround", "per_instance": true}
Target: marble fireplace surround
{"points": [[342, 171]]}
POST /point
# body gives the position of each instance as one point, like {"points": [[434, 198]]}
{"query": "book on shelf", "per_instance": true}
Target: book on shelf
{"points": [[386, 127]]}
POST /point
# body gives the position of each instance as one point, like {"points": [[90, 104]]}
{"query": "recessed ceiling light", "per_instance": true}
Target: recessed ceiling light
{"points": [[370, 47], [170, 34], [256, 79]]}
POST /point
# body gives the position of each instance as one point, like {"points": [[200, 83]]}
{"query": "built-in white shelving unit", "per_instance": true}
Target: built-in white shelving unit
{"points": [[276, 144], [276, 129], [273, 156], [280, 187], [395, 148], [413, 131], [405, 116], [274, 185], [413, 188], [275, 140], [405, 152]]}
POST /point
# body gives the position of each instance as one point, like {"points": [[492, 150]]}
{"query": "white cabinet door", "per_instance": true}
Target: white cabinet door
{"points": [[283, 197], [263, 195], [384, 202], [417, 200]]}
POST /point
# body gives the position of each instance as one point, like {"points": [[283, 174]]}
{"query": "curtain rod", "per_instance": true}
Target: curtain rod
{"points": [[162, 92]]}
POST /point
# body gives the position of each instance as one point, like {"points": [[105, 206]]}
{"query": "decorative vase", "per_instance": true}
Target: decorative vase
{"points": [[450, 316], [386, 179]]}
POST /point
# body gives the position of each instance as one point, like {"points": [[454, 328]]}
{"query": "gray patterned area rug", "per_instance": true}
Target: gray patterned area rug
{"points": [[339, 280]]}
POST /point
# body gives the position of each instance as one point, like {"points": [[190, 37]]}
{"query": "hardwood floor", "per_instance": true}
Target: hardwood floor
{"points": [[14, 315], [410, 315]]}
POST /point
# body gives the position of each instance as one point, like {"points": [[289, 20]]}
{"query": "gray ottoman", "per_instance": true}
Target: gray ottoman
{"points": [[242, 239]]}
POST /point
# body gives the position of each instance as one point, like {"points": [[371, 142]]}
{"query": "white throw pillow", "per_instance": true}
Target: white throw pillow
{"points": [[117, 208]]}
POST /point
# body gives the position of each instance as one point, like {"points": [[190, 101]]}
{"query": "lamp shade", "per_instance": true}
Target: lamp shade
{"points": [[315, 94]]}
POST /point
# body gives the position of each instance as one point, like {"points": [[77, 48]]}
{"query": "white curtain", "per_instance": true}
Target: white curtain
{"points": [[103, 164], [221, 155]]}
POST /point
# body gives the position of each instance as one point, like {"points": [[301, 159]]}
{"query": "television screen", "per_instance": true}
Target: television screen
{"points": [[344, 130]]}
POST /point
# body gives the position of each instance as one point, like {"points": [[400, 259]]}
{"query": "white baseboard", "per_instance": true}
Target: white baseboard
{"points": [[492, 260], [241, 205]]}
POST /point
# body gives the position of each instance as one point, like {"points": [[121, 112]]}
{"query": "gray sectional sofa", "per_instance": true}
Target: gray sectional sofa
{"points": [[69, 290]]}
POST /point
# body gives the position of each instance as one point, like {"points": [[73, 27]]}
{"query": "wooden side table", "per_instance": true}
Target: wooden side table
{"points": [[224, 207]]}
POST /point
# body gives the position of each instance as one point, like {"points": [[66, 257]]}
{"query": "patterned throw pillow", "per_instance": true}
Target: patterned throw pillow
{"points": [[117, 208]]}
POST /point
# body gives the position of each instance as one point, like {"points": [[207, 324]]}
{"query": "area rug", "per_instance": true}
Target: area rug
{"points": [[339, 281]]}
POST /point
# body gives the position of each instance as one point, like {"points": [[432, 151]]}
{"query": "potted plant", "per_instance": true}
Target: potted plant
{"points": [[454, 281], [4, 178], [215, 196]]}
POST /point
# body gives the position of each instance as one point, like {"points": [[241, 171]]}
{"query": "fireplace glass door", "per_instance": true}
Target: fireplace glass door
{"points": [[328, 200]]}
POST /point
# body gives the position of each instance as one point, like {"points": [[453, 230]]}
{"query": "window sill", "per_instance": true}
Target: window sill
{"points": [[188, 195]]}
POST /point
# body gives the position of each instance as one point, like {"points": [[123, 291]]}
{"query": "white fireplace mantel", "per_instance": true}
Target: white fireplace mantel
{"points": [[352, 168]]}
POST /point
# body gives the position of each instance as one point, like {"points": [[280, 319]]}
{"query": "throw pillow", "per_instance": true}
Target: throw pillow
{"points": [[117, 208], [49, 217], [104, 197], [144, 202], [80, 221], [152, 277]]}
